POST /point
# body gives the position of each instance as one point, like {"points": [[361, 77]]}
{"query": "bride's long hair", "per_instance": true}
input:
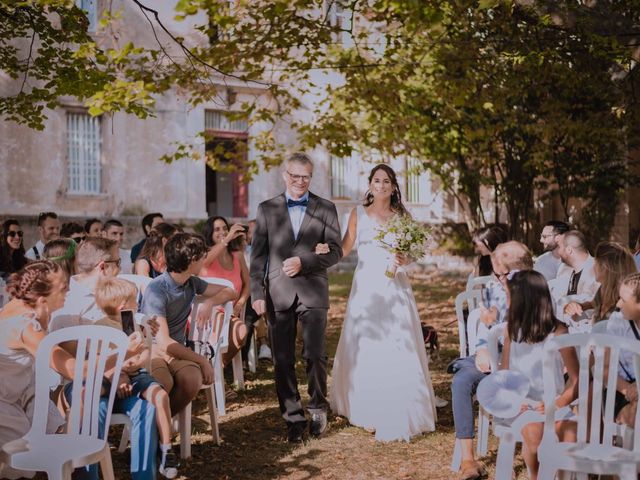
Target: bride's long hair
{"points": [[396, 197]]}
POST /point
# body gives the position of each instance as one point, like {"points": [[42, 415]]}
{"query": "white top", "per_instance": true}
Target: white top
{"points": [[547, 264], [31, 254], [79, 308], [528, 359], [587, 287], [125, 261], [620, 327]]}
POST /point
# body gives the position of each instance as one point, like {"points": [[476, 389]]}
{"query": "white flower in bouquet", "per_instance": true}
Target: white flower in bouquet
{"points": [[402, 234]]}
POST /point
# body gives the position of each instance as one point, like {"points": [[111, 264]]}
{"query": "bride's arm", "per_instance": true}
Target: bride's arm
{"points": [[349, 239]]}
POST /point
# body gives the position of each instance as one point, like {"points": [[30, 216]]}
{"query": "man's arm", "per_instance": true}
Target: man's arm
{"points": [[259, 256], [217, 294], [312, 262]]}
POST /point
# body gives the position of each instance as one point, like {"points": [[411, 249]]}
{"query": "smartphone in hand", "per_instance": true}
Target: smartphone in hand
{"points": [[128, 326]]}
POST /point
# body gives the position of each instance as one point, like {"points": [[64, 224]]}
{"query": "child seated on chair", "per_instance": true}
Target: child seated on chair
{"points": [[626, 323], [114, 295]]}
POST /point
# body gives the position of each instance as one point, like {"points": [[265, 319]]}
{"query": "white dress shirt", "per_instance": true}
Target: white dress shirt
{"points": [[296, 213], [31, 254]]}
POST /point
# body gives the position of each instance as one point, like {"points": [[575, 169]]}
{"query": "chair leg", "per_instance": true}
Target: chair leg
{"points": [[456, 459], [106, 465], [61, 472], [218, 382], [213, 415], [184, 420], [506, 451], [252, 356], [238, 374], [483, 433], [124, 439]]}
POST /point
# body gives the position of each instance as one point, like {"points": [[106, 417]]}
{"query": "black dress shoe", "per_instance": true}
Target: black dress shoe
{"points": [[318, 424], [295, 432]]}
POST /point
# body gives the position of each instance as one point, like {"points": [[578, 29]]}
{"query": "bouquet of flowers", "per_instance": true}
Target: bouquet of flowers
{"points": [[402, 234]]}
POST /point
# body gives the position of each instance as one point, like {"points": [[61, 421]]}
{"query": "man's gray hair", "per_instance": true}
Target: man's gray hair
{"points": [[301, 158]]}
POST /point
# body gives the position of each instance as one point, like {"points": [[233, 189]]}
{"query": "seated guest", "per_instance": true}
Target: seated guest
{"points": [[612, 263], [49, 229], [114, 230], [63, 252], [151, 262], [170, 297], [549, 263], [578, 284], [229, 264], [113, 295], [12, 257], [97, 257], [93, 227], [626, 323], [469, 371], [74, 231], [149, 221], [36, 291], [530, 323], [485, 241]]}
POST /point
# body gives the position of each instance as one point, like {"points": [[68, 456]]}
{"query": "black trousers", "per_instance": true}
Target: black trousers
{"points": [[283, 327]]}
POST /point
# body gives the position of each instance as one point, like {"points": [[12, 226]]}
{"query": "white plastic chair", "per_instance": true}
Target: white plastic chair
{"points": [[472, 299], [121, 418], [594, 451], [474, 282], [470, 335], [59, 454], [236, 363], [252, 354]]}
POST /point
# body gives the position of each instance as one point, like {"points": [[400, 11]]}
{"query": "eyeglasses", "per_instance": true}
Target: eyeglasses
{"points": [[297, 178], [117, 262], [13, 233], [79, 239]]}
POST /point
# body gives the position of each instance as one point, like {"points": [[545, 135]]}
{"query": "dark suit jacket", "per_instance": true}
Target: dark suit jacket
{"points": [[273, 242]]}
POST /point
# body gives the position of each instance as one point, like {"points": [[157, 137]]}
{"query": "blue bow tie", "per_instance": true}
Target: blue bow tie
{"points": [[297, 203]]}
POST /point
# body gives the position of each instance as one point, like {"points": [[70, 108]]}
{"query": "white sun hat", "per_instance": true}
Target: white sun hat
{"points": [[503, 392]]}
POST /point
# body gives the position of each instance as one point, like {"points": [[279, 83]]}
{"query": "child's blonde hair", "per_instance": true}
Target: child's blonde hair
{"points": [[112, 292]]}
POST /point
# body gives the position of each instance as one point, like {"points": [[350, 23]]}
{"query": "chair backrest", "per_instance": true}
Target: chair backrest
{"points": [[140, 280], [471, 299], [95, 345], [493, 344], [219, 331], [600, 327], [594, 427], [475, 282]]}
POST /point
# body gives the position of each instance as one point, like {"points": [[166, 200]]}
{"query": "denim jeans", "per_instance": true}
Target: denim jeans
{"points": [[463, 388], [144, 438]]}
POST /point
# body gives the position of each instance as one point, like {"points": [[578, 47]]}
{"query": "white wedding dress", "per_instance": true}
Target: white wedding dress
{"points": [[380, 376]]}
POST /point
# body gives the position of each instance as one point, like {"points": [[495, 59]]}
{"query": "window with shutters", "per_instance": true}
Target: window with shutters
{"points": [[416, 182], [340, 173], [218, 121], [83, 153]]}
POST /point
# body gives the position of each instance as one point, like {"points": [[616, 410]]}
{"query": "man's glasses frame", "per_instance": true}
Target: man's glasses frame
{"points": [[118, 262], [297, 178]]}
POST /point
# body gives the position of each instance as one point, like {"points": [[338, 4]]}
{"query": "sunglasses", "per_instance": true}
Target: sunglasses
{"points": [[117, 262], [79, 239], [12, 233]]}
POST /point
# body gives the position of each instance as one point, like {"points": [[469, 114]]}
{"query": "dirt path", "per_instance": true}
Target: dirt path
{"points": [[254, 445]]}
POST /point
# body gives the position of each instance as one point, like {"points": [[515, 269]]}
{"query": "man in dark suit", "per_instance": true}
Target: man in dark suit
{"points": [[289, 282]]}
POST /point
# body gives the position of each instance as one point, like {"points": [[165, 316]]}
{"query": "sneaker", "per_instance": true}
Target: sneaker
{"points": [[169, 468], [264, 353]]}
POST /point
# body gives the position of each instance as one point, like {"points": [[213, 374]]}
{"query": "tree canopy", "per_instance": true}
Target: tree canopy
{"points": [[501, 96]]}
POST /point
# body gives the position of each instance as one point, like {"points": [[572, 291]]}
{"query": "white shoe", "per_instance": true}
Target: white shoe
{"points": [[440, 402], [264, 353]]}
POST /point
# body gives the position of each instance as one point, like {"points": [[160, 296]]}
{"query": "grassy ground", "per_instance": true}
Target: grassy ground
{"points": [[254, 445]]}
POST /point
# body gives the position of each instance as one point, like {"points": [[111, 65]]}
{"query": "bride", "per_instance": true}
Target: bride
{"points": [[380, 378]]}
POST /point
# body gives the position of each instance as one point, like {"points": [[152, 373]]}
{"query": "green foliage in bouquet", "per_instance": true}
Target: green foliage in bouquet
{"points": [[403, 234]]}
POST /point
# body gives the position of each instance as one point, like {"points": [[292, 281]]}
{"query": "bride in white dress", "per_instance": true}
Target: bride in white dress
{"points": [[380, 378]]}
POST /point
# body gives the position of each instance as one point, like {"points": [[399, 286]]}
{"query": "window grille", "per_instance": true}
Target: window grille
{"points": [[83, 153], [340, 177], [217, 120], [415, 179]]}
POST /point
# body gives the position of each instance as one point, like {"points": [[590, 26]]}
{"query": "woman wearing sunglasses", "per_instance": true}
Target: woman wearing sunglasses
{"points": [[12, 257]]}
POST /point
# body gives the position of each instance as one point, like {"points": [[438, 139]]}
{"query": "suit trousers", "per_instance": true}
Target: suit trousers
{"points": [[283, 330]]}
